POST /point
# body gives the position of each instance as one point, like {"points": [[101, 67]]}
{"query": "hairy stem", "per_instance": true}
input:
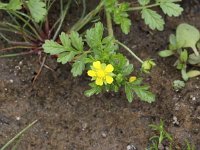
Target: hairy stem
{"points": [[149, 6], [195, 50], [130, 51], [109, 23]]}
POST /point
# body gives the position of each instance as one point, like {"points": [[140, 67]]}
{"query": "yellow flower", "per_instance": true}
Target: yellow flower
{"points": [[132, 79], [101, 73]]}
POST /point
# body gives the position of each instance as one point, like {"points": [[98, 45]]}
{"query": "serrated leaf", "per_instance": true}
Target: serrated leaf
{"points": [[125, 25], [120, 16], [65, 57], [153, 19], [65, 40], [144, 2], [143, 93], [52, 47], [166, 53], [3, 5], [14, 5], [171, 9], [77, 41], [37, 9], [94, 36], [129, 92], [128, 70], [78, 66]]}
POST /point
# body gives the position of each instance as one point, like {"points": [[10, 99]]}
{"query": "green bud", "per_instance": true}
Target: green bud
{"points": [[148, 65]]}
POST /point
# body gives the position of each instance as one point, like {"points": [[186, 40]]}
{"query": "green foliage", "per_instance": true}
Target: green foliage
{"points": [[120, 14], [178, 85], [103, 49], [12, 5], [151, 17], [157, 140], [187, 36], [37, 9], [189, 146]]}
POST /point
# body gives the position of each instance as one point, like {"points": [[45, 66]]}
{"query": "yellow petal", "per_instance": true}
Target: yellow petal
{"points": [[91, 73], [97, 65], [109, 68], [99, 81], [132, 79], [109, 79]]}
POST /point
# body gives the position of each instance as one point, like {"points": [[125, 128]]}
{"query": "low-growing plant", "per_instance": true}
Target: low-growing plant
{"points": [[93, 50], [184, 45], [157, 140], [178, 85]]}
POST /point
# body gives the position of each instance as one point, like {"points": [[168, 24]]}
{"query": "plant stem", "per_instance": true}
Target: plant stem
{"points": [[14, 55], [82, 22], [109, 23], [130, 51], [63, 14], [16, 47], [18, 135], [149, 6], [195, 51]]}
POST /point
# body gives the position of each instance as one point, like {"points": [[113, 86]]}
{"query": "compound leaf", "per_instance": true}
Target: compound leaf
{"points": [[66, 57], [65, 40], [171, 9], [153, 19], [78, 66], [52, 47], [14, 5], [77, 41], [37, 9], [144, 2], [143, 93]]}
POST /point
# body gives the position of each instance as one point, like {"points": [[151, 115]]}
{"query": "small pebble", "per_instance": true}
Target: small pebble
{"points": [[131, 147]]}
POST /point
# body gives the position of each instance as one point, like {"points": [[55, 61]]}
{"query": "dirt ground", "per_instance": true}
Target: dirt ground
{"points": [[69, 120]]}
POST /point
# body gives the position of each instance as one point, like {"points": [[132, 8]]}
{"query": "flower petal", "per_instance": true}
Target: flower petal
{"points": [[109, 79], [91, 73], [99, 81], [132, 79], [109, 68], [97, 65]]}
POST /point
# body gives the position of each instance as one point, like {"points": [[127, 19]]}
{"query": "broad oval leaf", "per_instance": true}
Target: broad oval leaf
{"points": [[187, 36], [193, 73], [166, 53]]}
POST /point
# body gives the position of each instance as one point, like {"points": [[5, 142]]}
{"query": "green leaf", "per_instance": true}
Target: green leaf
{"points": [[184, 73], [14, 5], [144, 2], [165, 53], [94, 36], [143, 93], [3, 5], [129, 92], [125, 25], [77, 41], [66, 57], [110, 5], [65, 40], [120, 16], [37, 9], [78, 66], [187, 36], [128, 70], [171, 9], [52, 47], [193, 59], [184, 56], [193, 73], [153, 19]]}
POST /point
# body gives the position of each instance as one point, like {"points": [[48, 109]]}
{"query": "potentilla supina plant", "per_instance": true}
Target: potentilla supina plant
{"points": [[101, 73]]}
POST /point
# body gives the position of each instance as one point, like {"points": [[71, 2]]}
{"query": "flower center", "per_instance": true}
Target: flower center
{"points": [[100, 73]]}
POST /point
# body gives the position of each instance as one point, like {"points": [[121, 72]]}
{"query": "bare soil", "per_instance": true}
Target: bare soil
{"points": [[69, 120]]}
